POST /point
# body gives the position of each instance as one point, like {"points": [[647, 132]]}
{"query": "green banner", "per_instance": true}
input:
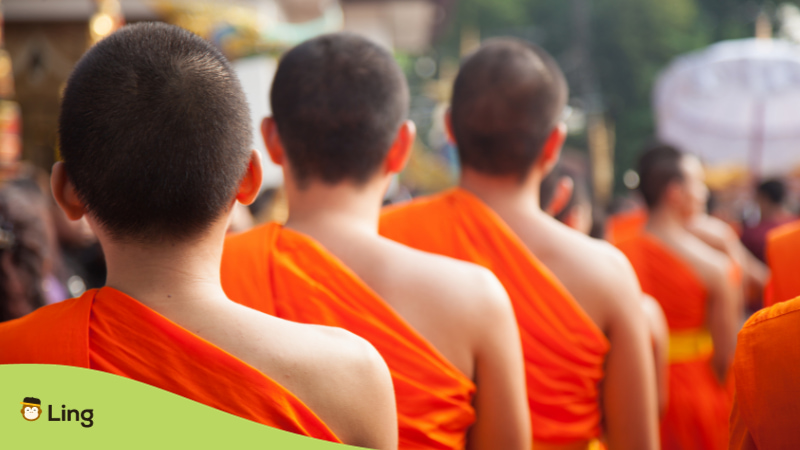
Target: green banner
{"points": [[60, 407]]}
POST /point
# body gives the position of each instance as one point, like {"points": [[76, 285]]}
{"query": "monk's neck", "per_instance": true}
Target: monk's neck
{"points": [[323, 208], [167, 274], [664, 221], [503, 193]]}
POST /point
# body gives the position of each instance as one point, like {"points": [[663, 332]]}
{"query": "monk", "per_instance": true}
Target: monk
{"points": [[565, 196], [698, 290], [587, 358], [445, 327], [782, 250], [146, 161], [765, 368]]}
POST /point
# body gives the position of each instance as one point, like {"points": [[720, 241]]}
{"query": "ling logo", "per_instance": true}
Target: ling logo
{"points": [[31, 408]]}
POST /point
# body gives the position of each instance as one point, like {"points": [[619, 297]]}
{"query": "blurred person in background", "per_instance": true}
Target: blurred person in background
{"points": [[25, 256], [771, 198], [565, 195], [783, 257], [698, 288]]}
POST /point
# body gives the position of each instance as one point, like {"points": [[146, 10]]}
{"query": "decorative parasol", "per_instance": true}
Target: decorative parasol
{"points": [[735, 104]]}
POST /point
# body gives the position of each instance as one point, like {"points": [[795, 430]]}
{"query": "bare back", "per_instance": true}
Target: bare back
{"points": [[462, 310]]}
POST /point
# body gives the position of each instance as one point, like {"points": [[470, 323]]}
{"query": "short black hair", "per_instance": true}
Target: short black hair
{"points": [[507, 98], [155, 133], [338, 101], [773, 190], [659, 165]]}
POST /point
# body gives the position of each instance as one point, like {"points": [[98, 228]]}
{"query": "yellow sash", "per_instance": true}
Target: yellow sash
{"points": [[594, 444], [690, 345]]}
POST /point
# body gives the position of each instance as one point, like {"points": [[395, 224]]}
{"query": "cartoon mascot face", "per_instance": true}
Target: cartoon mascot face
{"points": [[31, 408]]}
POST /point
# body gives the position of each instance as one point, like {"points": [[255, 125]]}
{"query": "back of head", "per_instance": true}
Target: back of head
{"points": [[155, 133], [658, 167], [507, 98], [773, 191], [338, 101]]}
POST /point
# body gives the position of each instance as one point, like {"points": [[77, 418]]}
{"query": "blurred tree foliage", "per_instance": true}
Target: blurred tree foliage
{"points": [[621, 44]]}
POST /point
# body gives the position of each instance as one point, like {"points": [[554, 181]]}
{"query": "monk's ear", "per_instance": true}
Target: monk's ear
{"points": [[551, 150], [250, 185], [65, 194], [272, 140], [448, 125], [401, 148], [561, 196]]}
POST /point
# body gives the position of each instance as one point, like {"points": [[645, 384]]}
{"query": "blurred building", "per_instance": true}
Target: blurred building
{"points": [[46, 38]]}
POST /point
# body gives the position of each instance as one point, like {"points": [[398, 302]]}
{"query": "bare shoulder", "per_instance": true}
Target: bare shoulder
{"points": [[600, 264], [456, 285], [596, 273], [320, 355], [339, 375], [711, 265]]}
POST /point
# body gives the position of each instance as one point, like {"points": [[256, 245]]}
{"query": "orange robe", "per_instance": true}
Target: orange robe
{"points": [[564, 351], [287, 274], [107, 330], [625, 225], [698, 405], [783, 257], [765, 368]]}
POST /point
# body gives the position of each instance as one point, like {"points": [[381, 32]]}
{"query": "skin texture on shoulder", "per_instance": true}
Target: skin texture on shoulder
{"points": [[316, 363]]}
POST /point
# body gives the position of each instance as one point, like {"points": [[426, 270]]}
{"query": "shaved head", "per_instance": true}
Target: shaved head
{"points": [[155, 133], [507, 98], [658, 167], [338, 101]]}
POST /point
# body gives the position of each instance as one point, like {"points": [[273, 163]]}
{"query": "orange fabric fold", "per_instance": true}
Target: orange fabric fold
{"points": [[783, 257], [625, 225], [766, 374], [110, 331], [564, 351], [287, 274], [698, 406]]}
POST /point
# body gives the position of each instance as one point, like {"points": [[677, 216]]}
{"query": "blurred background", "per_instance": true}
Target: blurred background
{"points": [[718, 78]]}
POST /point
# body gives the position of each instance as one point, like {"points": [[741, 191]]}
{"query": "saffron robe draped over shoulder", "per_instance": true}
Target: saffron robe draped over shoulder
{"points": [[107, 330], [287, 274], [783, 257], [564, 350], [698, 406], [765, 369]]}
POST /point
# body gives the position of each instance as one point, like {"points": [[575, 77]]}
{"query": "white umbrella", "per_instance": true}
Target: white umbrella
{"points": [[736, 104]]}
